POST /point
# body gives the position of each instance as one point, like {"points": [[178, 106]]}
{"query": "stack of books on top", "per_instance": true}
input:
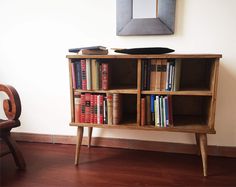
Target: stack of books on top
{"points": [[92, 50]]}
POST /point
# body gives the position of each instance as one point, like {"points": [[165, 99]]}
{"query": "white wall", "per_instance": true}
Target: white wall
{"points": [[36, 35]]}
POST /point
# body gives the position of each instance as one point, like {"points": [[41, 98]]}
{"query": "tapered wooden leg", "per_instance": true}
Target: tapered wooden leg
{"points": [[90, 131], [203, 148], [17, 155], [197, 142], [80, 131]]}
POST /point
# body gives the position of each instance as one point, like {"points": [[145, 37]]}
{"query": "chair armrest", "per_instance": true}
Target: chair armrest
{"points": [[11, 106]]}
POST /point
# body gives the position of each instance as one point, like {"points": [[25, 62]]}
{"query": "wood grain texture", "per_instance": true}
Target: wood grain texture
{"points": [[52, 165], [124, 56]]}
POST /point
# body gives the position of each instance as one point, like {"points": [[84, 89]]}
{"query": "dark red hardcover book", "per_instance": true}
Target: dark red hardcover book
{"points": [[83, 74], [82, 101], [92, 109], [87, 107], [104, 76], [143, 111]]}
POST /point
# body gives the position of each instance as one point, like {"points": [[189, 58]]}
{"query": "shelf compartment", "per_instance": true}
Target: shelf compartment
{"points": [[196, 74], [191, 111]]}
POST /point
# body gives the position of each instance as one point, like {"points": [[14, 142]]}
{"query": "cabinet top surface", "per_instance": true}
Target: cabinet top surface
{"points": [[126, 56]]}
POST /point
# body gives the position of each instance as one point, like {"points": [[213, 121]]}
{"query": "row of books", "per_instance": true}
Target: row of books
{"points": [[156, 110], [89, 74], [160, 74], [98, 108]]}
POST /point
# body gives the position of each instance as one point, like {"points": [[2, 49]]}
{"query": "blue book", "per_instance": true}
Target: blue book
{"points": [[152, 103], [78, 78]]}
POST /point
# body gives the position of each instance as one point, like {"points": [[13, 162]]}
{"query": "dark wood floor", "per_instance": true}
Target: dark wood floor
{"points": [[52, 165]]}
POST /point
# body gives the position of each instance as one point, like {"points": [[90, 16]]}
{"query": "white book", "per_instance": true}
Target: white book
{"points": [[157, 111], [164, 111], [167, 74], [88, 74]]}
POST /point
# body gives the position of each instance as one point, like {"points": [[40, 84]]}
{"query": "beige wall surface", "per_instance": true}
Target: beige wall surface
{"points": [[35, 37]]}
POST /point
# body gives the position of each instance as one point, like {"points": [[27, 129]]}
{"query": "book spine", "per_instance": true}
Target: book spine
{"points": [[82, 119], [72, 66], [116, 109], [77, 109], [167, 111], [97, 75], [164, 111], [157, 112], [95, 116], [83, 74], [170, 113], [88, 74], [167, 76], [100, 75], [98, 109], [143, 111], [94, 74], [105, 75], [155, 74], [78, 77], [152, 109], [92, 108], [109, 108], [163, 74], [105, 110], [87, 107], [161, 112], [148, 110], [101, 120]]}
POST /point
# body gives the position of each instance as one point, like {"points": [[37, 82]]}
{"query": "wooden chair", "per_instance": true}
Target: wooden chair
{"points": [[12, 109]]}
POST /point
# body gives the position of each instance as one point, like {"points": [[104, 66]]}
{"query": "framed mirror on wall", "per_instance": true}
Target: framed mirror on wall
{"points": [[145, 17]]}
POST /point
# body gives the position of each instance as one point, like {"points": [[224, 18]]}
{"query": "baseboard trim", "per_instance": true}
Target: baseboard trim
{"points": [[126, 144]]}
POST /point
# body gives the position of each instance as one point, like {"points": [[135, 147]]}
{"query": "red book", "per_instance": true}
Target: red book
{"points": [[82, 101], [77, 109], [143, 116], [101, 109], [83, 74], [87, 107], [92, 109], [95, 116], [104, 76]]}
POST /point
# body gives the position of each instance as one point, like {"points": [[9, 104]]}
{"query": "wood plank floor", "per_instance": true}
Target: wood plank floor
{"points": [[53, 165]]}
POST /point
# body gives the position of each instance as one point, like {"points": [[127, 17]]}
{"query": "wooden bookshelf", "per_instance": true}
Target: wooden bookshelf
{"points": [[193, 104]]}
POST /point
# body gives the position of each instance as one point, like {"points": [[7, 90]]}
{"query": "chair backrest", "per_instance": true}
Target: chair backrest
{"points": [[11, 106]]}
